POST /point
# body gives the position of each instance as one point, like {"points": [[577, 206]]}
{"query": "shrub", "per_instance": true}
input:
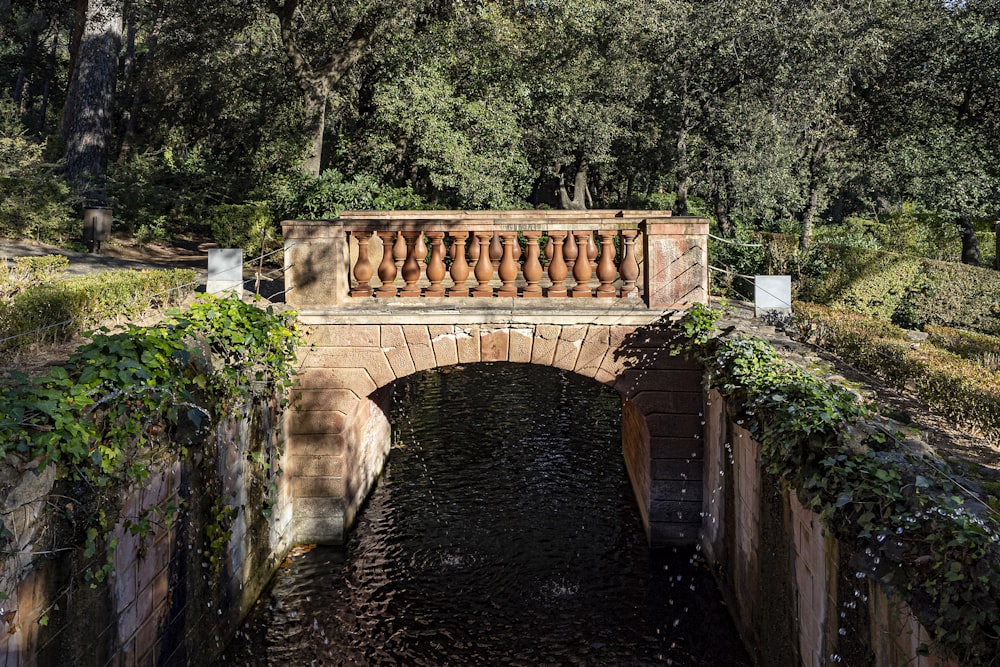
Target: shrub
{"points": [[34, 203], [953, 295], [26, 272], [964, 388], [247, 226], [324, 197], [910, 291], [58, 311]]}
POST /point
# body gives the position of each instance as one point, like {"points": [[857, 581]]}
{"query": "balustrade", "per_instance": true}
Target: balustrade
{"points": [[524, 254]]}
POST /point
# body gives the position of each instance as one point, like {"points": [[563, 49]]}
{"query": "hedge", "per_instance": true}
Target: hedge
{"points": [[965, 389], [910, 291], [57, 311]]}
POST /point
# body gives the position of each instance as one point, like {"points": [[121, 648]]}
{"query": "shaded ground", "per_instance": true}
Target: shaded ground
{"points": [[119, 255]]}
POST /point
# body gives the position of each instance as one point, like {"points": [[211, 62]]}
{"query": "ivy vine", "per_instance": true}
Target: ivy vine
{"points": [[126, 400], [911, 522]]}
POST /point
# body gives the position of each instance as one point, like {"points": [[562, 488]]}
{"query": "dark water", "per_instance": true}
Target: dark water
{"points": [[503, 532]]}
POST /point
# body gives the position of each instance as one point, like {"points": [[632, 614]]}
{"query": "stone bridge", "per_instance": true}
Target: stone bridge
{"points": [[388, 294]]}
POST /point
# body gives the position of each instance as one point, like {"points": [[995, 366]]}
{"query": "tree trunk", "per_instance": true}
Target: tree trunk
{"points": [[75, 39], [137, 73], [809, 215], [318, 82], [315, 127], [683, 174], [996, 238], [94, 77], [970, 242]]}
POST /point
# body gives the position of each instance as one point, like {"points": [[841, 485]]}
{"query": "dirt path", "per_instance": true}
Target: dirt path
{"points": [[118, 255]]}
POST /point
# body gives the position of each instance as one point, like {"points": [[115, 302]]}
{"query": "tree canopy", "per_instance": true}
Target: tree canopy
{"points": [[759, 113]]}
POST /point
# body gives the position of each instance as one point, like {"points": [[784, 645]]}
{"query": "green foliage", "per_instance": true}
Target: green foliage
{"points": [[34, 202], [156, 191], [27, 272], [953, 295], [125, 399], [906, 521], [907, 290], [58, 311], [247, 226], [957, 378], [742, 254], [299, 196]]}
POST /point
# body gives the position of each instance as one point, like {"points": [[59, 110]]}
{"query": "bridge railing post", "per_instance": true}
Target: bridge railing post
{"points": [[317, 263], [676, 262]]}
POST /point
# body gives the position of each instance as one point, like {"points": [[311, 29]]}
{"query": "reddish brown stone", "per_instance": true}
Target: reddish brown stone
{"points": [[494, 343]]}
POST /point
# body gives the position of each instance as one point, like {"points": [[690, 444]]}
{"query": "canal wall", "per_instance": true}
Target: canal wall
{"points": [[173, 596], [792, 592]]}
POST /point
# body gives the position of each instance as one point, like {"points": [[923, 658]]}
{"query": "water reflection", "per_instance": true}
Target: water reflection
{"points": [[503, 532]]}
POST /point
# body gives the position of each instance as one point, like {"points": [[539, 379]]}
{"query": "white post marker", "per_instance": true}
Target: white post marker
{"points": [[772, 294], [225, 271]]}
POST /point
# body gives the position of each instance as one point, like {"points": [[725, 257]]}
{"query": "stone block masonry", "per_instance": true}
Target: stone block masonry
{"points": [[339, 438]]}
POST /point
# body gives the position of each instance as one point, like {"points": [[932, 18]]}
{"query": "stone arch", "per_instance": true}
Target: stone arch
{"points": [[339, 437]]}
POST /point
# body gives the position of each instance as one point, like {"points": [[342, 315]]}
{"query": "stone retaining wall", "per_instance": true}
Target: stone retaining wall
{"points": [[794, 598], [164, 603]]}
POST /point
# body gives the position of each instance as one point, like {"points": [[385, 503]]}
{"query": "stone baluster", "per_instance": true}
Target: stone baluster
{"points": [[484, 267], [517, 248], [629, 267], [496, 250], [421, 250], [411, 267], [459, 265], [581, 270], [606, 270], [399, 253], [387, 268], [548, 248], [570, 252], [436, 268], [508, 265], [592, 252], [532, 268], [557, 266], [474, 250], [363, 269]]}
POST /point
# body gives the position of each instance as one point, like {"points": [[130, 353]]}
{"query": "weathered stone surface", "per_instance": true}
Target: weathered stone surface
{"points": [[689, 490], [444, 342], [340, 400], [358, 379], [318, 444], [568, 347], [676, 448], [543, 349], [677, 469], [675, 426], [676, 511], [494, 343], [670, 402], [400, 361], [392, 336], [467, 340], [317, 487], [418, 340], [342, 335], [521, 339], [315, 465], [592, 352], [325, 422]]}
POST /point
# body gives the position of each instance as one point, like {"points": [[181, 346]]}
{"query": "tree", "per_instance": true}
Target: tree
{"points": [[89, 108]]}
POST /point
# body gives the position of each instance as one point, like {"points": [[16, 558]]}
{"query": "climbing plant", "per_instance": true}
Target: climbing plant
{"points": [[126, 400], [912, 521]]}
